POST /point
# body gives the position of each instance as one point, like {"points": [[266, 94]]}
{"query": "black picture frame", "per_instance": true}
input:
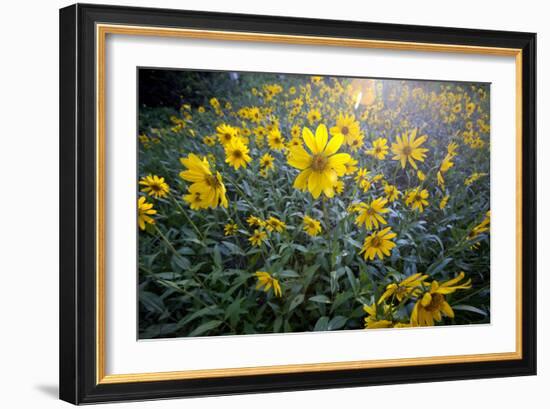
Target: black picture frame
{"points": [[78, 360]]}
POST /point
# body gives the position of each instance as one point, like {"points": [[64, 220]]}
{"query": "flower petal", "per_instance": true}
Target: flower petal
{"points": [[321, 137], [334, 144]]}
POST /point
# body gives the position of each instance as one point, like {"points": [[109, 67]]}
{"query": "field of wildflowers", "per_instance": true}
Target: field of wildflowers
{"points": [[288, 203]]}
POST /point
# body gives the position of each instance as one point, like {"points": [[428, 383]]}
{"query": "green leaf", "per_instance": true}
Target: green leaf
{"points": [[321, 324], [438, 266], [151, 302], [320, 298], [295, 302], [211, 310], [233, 248], [208, 326], [337, 322], [469, 308]]}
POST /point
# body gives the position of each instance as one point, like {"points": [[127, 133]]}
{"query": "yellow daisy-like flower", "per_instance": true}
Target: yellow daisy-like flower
{"points": [[482, 227], [446, 164], [432, 305], [312, 226], [440, 179], [339, 187], [236, 153], [408, 149], [274, 224], [351, 166], [452, 148], [379, 148], [372, 321], [295, 131], [473, 177], [154, 186], [254, 221], [347, 126], [355, 142], [209, 186], [391, 192], [370, 214], [276, 140], [362, 179], [316, 79], [267, 161], [195, 199], [230, 229], [444, 202], [421, 176], [266, 281], [209, 140], [258, 237], [410, 286], [145, 211], [313, 116], [320, 168], [379, 244], [416, 199], [226, 133]]}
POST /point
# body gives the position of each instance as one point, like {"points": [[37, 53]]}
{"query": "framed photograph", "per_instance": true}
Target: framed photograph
{"points": [[257, 203]]}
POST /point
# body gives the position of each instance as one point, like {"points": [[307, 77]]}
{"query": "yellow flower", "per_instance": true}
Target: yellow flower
{"points": [[391, 192], [195, 199], [154, 186], [355, 142], [339, 187], [275, 140], [410, 286], [351, 166], [266, 281], [267, 161], [421, 175], [320, 168], [209, 186], [209, 140], [431, 305], [258, 237], [316, 79], [236, 153], [440, 179], [295, 131], [230, 229], [371, 214], [226, 133], [444, 202], [347, 126], [416, 199], [362, 179], [379, 148], [473, 177], [312, 226], [273, 223], [379, 244], [145, 210], [452, 148], [446, 164], [313, 116], [372, 321], [482, 227], [408, 148], [254, 221], [201, 110]]}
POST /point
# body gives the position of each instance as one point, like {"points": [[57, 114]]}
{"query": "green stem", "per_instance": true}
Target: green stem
{"points": [[184, 213]]}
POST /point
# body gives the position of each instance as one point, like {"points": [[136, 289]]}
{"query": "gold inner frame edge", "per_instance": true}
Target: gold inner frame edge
{"points": [[101, 33]]}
